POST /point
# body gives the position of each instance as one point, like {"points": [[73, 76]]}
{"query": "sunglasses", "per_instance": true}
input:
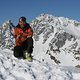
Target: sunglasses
{"points": [[22, 22]]}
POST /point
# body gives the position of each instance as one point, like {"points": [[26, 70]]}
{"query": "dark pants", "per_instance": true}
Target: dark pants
{"points": [[27, 45]]}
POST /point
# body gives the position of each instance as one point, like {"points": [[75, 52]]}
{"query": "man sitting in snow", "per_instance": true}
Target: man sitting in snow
{"points": [[23, 40]]}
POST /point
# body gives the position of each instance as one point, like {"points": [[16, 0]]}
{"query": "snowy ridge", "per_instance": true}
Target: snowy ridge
{"points": [[18, 69], [56, 51], [58, 39]]}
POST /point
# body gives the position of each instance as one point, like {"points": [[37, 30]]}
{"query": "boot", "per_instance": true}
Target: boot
{"points": [[28, 57]]}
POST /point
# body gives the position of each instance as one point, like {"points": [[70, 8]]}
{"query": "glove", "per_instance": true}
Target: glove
{"points": [[17, 37]]}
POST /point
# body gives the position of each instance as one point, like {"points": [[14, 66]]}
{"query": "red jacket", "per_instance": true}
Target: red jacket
{"points": [[21, 34]]}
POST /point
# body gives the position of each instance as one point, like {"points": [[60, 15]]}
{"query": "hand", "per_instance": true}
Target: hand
{"points": [[18, 36]]}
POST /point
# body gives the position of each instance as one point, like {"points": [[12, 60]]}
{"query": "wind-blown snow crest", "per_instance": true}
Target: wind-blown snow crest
{"points": [[12, 68]]}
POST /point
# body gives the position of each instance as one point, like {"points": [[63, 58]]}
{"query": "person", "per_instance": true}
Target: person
{"points": [[23, 40]]}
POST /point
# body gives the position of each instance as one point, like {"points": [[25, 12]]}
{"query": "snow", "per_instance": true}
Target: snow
{"points": [[58, 30], [12, 68], [73, 30], [43, 67]]}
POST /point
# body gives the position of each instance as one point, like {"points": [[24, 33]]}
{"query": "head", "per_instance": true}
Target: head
{"points": [[22, 21]]}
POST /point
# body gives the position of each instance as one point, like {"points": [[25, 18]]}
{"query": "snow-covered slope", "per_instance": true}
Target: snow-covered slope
{"points": [[57, 39], [12, 68], [56, 51]]}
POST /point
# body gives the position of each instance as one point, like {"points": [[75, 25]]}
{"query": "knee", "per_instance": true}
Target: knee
{"points": [[18, 51]]}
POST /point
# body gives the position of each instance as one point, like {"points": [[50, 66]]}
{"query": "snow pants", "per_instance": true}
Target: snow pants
{"points": [[27, 46]]}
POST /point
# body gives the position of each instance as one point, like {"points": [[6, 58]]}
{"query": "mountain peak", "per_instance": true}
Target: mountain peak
{"points": [[7, 22], [56, 43], [57, 36], [52, 16], [53, 37]]}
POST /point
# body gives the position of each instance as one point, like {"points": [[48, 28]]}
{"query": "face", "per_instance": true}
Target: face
{"points": [[22, 24]]}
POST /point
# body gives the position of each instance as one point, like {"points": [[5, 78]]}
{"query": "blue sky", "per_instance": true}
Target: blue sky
{"points": [[13, 9]]}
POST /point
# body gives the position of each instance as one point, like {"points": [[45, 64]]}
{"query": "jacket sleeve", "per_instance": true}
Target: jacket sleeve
{"points": [[14, 32], [28, 32], [25, 35], [17, 32], [17, 36]]}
